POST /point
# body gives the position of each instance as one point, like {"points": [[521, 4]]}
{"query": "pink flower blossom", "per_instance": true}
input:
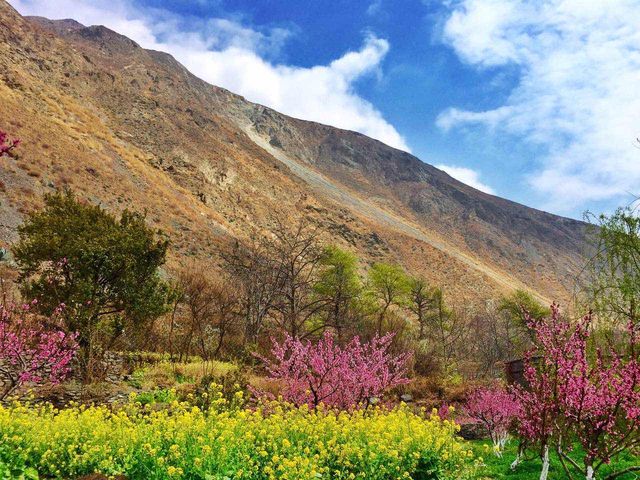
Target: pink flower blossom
{"points": [[341, 377], [572, 395], [6, 145], [29, 352]]}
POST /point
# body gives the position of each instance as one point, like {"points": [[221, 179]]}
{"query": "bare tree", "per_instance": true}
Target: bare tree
{"points": [[499, 337], [258, 281], [277, 275], [212, 311], [446, 329], [227, 312], [422, 300], [297, 255]]}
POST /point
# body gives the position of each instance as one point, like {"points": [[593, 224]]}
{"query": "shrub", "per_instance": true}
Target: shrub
{"points": [[166, 374], [496, 410], [7, 145], [32, 350], [233, 385], [184, 442], [341, 377], [104, 269], [157, 395]]}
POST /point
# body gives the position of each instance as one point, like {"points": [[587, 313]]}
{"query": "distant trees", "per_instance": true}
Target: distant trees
{"points": [[500, 331], [291, 283], [103, 269]]}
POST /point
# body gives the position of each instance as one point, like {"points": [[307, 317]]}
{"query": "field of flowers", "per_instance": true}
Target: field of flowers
{"points": [[180, 440]]}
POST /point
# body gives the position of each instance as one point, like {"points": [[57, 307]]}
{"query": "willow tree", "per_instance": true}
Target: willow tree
{"points": [[613, 287]]}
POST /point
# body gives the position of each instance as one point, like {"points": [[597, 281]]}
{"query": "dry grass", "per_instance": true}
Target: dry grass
{"points": [[167, 374]]}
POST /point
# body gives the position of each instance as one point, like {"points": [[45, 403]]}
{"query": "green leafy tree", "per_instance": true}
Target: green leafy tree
{"points": [[389, 285], [443, 333], [520, 305], [102, 268], [340, 288], [446, 329], [613, 286], [513, 334]]}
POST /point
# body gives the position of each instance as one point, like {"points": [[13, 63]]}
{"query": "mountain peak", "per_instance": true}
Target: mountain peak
{"points": [[59, 26]]}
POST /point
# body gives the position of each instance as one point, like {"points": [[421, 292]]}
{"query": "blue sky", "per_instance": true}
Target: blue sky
{"points": [[533, 100]]}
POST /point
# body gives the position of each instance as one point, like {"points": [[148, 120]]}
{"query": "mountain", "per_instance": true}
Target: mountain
{"points": [[132, 128]]}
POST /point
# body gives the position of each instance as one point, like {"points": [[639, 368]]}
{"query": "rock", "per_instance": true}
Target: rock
{"points": [[473, 431]]}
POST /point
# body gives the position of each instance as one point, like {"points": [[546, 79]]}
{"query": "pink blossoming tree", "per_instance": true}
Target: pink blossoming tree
{"points": [[572, 396], [31, 351], [497, 410], [337, 376], [7, 145]]}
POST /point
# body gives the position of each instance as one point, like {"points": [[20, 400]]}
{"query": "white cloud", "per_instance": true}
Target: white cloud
{"points": [[453, 117], [577, 96], [228, 54], [467, 176], [374, 8]]}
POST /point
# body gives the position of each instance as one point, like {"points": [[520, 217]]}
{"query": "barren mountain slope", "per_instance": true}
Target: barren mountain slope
{"points": [[128, 127]]}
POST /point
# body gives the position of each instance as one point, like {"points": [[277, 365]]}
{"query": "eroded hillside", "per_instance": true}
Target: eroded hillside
{"points": [[132, 128]]}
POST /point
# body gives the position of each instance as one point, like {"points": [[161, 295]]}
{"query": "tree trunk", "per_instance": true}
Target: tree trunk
{"points": [[219, 346], [545, 464], [12, 386], [516, 461], [171, 329], [381, 319]]}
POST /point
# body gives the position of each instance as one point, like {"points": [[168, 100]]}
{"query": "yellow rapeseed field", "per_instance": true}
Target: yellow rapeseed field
{"points": [[275, 441]]}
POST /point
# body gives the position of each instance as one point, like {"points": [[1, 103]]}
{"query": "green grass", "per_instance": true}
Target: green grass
{"points": [[157, 395], [529, 470]]}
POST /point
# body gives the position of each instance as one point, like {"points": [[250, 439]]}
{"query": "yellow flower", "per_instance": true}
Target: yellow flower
{"points": [[285, 443]]}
